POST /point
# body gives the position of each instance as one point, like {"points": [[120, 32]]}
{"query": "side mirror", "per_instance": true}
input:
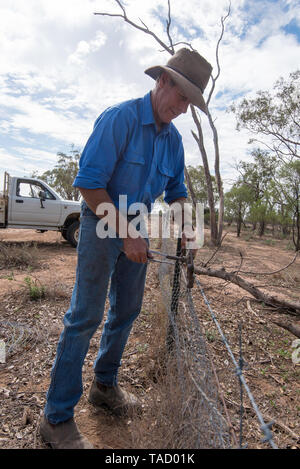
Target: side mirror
{"points": [[42, 195]]}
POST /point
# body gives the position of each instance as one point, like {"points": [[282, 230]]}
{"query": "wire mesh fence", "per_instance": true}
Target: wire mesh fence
{"points": [[204, 425], [205, 422], [16, 336]]}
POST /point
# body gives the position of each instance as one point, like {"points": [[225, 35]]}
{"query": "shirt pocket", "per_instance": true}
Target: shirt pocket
{"points": [[129, 172], [164, 174]]}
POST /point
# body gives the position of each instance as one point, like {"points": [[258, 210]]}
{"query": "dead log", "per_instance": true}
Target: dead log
{"points": [[292, 327], [283, 306]]}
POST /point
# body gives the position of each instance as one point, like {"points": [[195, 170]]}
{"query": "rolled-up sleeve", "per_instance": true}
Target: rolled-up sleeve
{"points": [[176, 187], [102, 150]]}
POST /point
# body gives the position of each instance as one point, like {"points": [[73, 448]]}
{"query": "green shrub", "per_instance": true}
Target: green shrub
{"points": [[36, 291]]}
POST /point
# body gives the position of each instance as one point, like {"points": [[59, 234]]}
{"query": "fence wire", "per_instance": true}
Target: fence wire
{"points": [[16, 336], [204, 423], [265, 427], [199, 392]]}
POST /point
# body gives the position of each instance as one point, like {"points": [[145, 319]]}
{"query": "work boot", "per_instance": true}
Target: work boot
{"points": [[118, 400], [64, 435]]}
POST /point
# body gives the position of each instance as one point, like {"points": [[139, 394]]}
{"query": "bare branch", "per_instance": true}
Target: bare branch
{"points": [[274, 271], [215, 252], [168, 27], [144, 24], [186, 44], [190, 186], [121, 6], [241, 263], [214, 79], [143, 28]]}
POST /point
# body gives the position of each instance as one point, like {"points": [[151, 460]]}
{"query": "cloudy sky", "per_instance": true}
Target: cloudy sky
{"points": [[61, 65]]}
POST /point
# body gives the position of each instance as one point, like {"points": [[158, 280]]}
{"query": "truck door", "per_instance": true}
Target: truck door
{"points": [[27, 207]]}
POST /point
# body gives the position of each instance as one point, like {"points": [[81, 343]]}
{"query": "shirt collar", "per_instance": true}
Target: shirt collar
{"points": [[148, 117]]}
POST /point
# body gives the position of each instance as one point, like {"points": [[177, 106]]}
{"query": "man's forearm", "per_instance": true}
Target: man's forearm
{"points": [[134, 246], [95, 197]]}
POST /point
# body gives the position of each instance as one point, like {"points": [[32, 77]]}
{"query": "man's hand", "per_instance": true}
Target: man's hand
{"points": [[136, 249]]}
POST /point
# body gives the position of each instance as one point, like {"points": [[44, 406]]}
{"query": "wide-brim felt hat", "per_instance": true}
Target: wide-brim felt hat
{"points": [[190, 71]]}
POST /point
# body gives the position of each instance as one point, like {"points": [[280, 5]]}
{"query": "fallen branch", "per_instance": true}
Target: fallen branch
{"points": [[291, 327], [276, 422], [250, 309], [289, 307]]}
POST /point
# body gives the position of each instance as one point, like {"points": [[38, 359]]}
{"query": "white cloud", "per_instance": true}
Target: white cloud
{"points": [[37, 154], [9, 162], [85, 48], [61, 65]]}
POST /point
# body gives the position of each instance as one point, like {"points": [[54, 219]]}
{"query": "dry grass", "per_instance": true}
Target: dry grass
{"points": [[147, 370], [36, 290], [171, 416], [13, 255]]}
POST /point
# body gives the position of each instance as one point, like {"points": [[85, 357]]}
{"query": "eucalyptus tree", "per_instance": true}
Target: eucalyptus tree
{"points": [[62, 176], [273, 117]]}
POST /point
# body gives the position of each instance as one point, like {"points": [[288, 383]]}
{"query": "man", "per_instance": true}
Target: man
{"points": [[136, 151]]}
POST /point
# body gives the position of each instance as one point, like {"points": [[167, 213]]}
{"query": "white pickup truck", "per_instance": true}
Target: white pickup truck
{"points": [[31, 204]]}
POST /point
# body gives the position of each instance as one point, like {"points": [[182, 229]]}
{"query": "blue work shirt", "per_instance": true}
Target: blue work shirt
{"points": [[126, 155]]}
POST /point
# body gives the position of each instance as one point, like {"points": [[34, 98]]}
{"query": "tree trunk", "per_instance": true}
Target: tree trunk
{"points": [[238, 227], [210, 194], [218, 179], [296, 226], [190, 187], [262, 227], [239, 223]]}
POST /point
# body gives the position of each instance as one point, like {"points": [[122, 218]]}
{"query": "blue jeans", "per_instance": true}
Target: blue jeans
{"points": [[99, 260]]}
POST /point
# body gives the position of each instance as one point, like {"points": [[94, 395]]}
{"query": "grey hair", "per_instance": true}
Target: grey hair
{"points": [[171, 81]]}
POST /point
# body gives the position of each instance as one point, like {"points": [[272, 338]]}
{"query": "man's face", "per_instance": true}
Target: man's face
{"points": [[170, 101]]}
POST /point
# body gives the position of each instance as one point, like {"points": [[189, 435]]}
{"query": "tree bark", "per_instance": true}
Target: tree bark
{"points": [[210, 193], [218, 179], [262, 226], [293, 328], [190, 187]]}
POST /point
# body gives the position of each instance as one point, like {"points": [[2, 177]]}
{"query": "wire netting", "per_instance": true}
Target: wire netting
{"points": [[204, 425]]}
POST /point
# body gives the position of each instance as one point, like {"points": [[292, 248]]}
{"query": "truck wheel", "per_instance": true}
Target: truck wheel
{"points": [[64, 234], [73, 233]]}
